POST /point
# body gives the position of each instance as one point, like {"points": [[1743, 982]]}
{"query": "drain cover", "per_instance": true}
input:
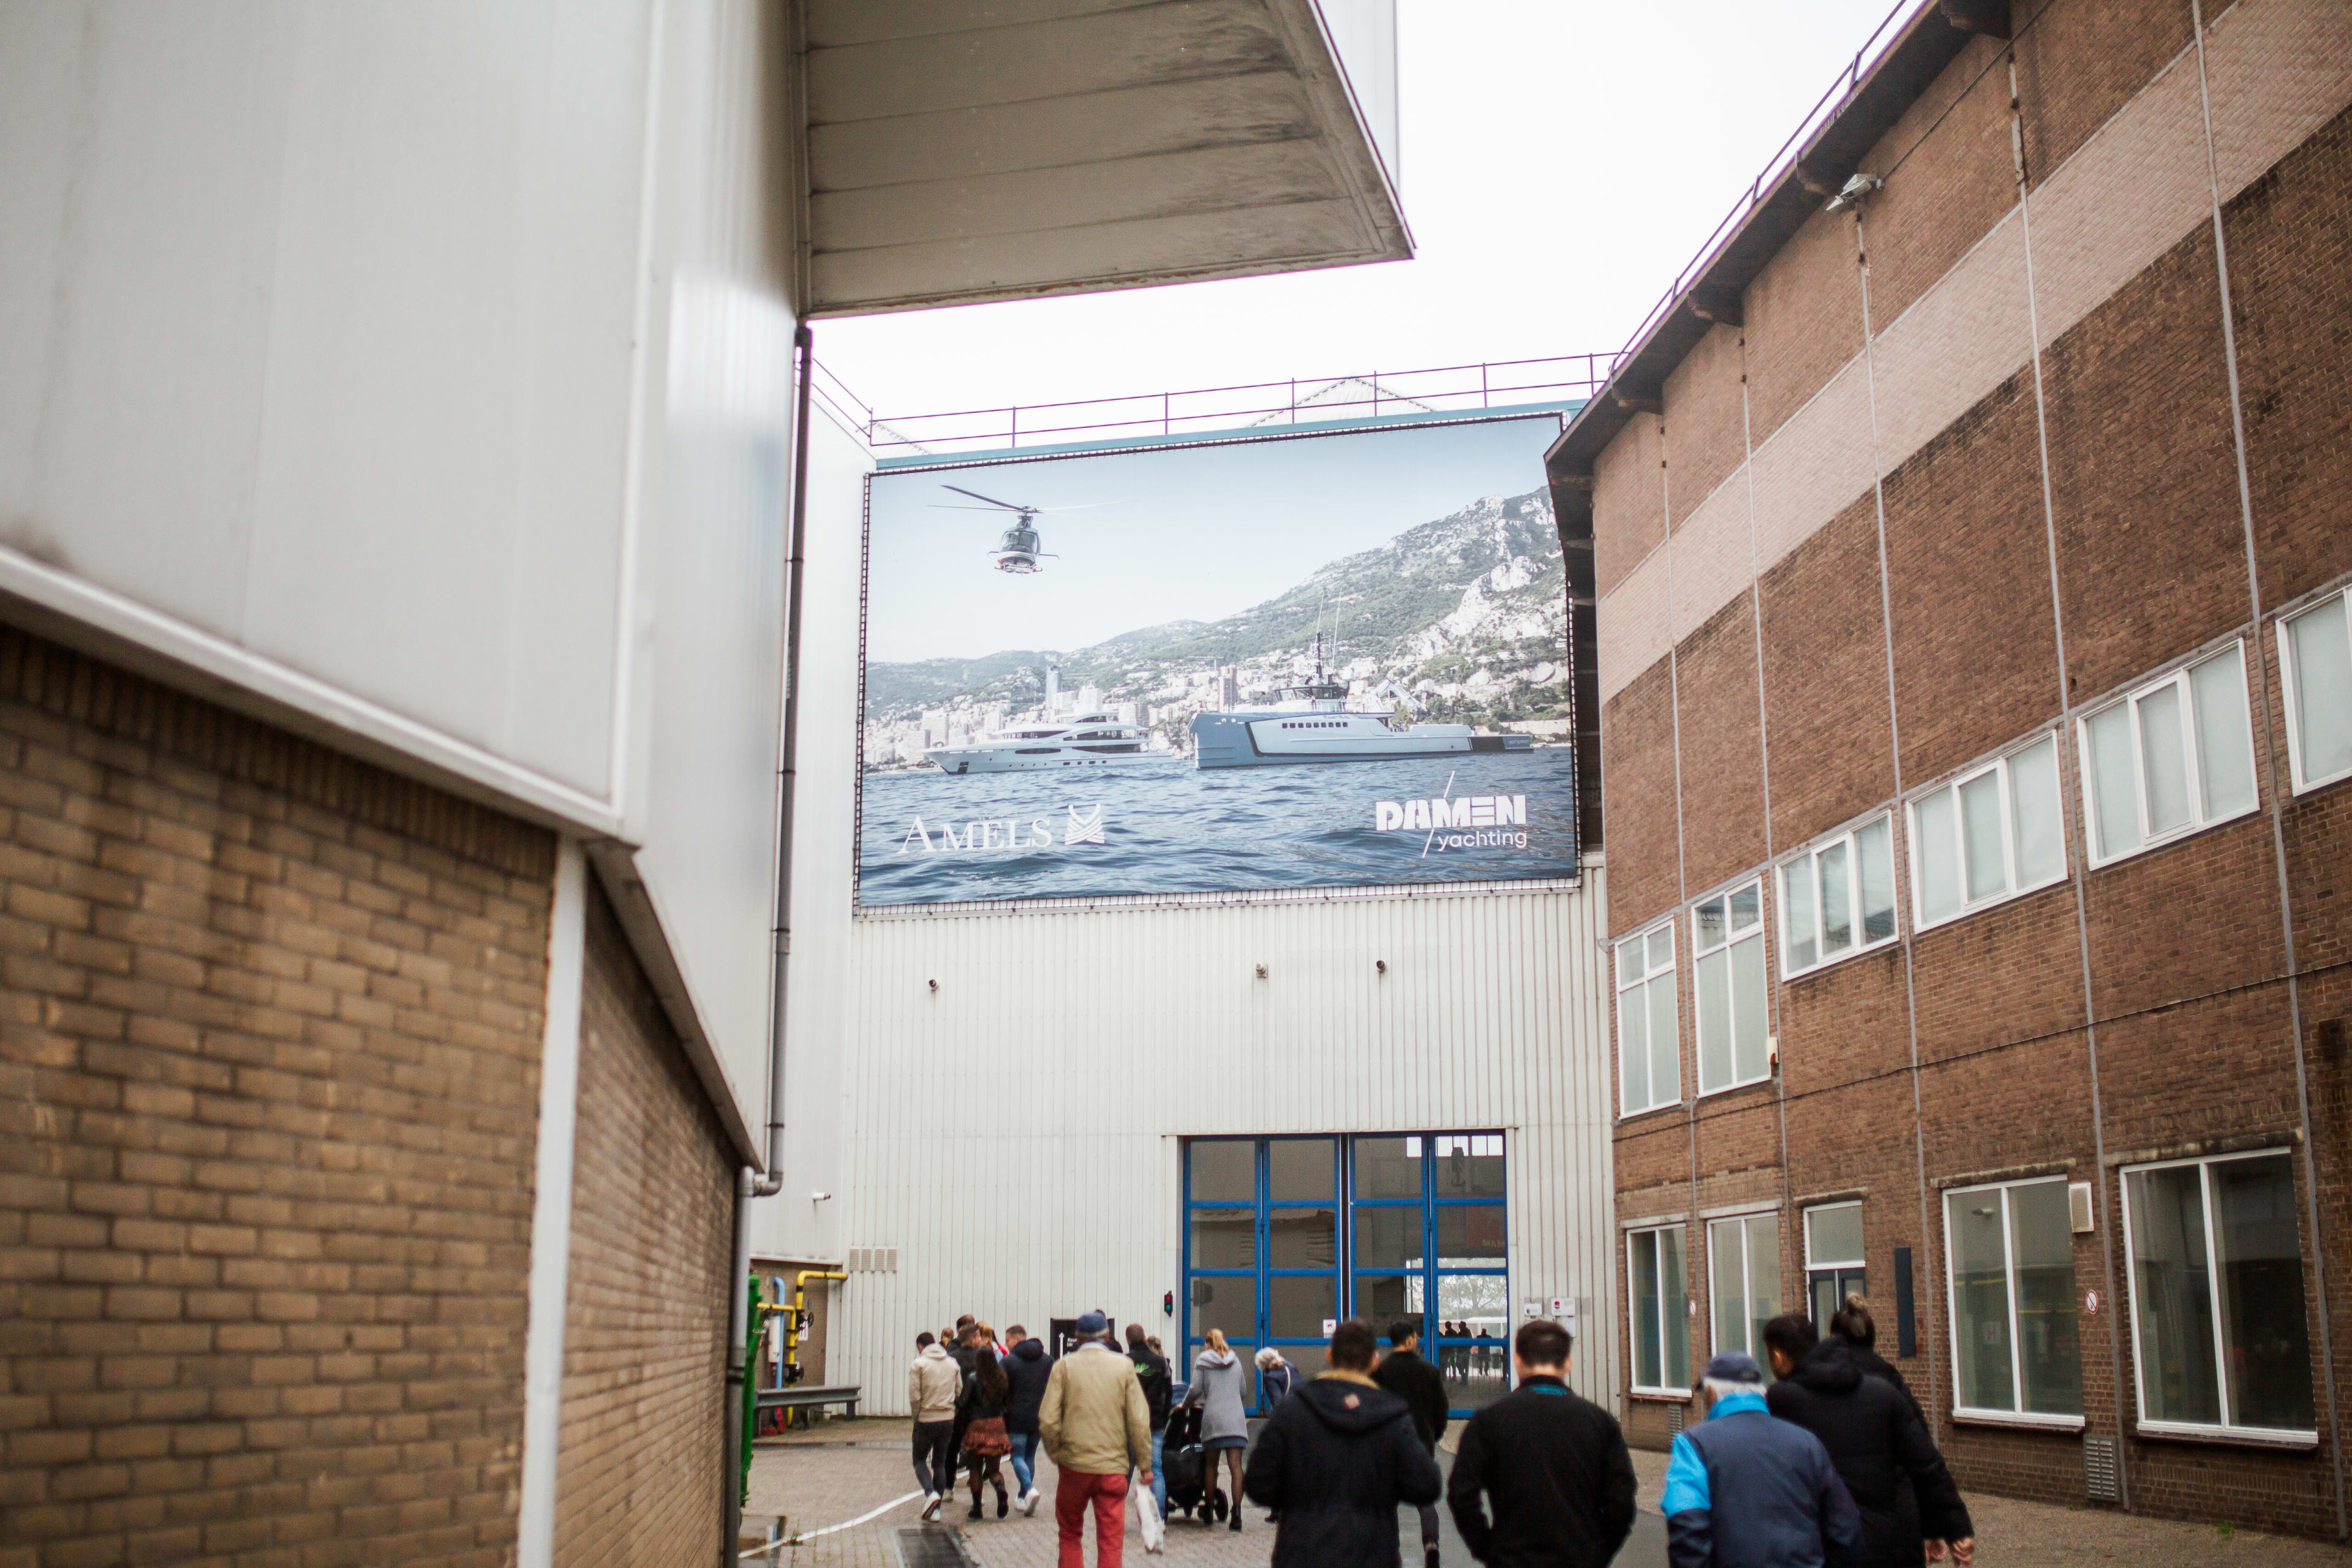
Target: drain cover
{"points": [[932, 1546]]}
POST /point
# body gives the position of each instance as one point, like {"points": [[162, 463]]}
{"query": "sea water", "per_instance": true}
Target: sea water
{"points": [[1167, 827]]}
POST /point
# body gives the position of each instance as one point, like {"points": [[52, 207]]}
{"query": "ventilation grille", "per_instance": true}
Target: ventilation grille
{"points": [[2099, 1470], [873, 1260], [1675, 1417]]}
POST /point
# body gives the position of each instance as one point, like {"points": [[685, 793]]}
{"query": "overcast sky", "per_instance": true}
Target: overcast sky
{"points": [[1562, 159], [1194, 534]]}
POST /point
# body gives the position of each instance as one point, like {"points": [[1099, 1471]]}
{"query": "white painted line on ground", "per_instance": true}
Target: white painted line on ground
{"points": [[779, 1544]]}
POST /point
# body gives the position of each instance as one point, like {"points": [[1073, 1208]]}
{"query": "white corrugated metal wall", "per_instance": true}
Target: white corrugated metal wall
{"points": [[1015, 1133]]}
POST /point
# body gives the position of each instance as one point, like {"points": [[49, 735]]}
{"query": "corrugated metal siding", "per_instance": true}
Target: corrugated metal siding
{"points": [[1016, 1133]]}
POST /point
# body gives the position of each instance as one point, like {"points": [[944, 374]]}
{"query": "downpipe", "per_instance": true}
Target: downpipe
{"points": [[750, 1183]]}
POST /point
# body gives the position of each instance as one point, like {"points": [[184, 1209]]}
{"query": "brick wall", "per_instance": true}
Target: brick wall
{"points": [[269, 1035], [642, 1459]]}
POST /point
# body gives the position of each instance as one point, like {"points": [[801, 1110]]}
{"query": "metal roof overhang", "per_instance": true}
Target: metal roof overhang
{"points": [[965, 151], [1712, 287]]}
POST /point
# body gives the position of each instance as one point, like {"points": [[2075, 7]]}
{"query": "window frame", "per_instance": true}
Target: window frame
{"points": [[1836, 1268], [1728, 946], [2291, 683], [1679, 1229], [2297, 1438], [1671, 974], [1915, 841], [2193, 774], [1747, 1274], [1809, 857], [2020, 1416]]}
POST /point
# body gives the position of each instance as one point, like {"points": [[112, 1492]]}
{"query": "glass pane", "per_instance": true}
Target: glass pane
{"points": [[2225, 756], [2173, 1295], [1224, 1238], [1714, 1021], [1980, 833], [1709, 927], [1649, 1361], [1470, 1236], [2321, 648], [1390, 1167], [1388, 1237], [2033, 802], [1797, 912], [1469, 1165], [1302, 1238], [1633, 1059], [1629, 961], [1726, 1283], [2049, 1354], [1746, 908], [1834, 1234], [1310, 1360], [2165, 766], [1874, 862], [1217, 1301], [1300, 1168], [2114, 806], [1662, 947], [1837, 903], [1224, 1169], [1674, 1284], [1763, 1283], [2264, 1336], [1829, 1290], [1666, 1045], [1748, 1058], [1382, 1298], [1980, 1300], [1297, 1304], [1939, 863], [1476, 1307]]}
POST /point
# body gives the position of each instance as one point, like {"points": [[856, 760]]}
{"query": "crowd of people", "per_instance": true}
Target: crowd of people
{"points": [[1827, 1464]]}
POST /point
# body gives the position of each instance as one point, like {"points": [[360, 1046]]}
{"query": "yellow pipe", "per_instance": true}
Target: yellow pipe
{"points": [[797, 1319]]}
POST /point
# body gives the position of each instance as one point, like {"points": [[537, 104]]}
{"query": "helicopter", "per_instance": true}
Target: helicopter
{"points": [[1017, 551]]}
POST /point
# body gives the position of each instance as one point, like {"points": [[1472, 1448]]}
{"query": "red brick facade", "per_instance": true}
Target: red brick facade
{"points": [[2140, 1010]]}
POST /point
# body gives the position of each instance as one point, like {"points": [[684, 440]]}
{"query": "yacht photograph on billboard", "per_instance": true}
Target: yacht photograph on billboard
{"points": [[1316, 661]]}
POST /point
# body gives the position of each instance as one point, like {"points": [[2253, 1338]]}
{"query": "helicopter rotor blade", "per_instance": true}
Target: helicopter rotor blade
{"points": [[992, 500]]}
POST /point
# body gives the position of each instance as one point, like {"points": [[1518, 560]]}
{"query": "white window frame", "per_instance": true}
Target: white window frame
{"points": [[2291, 680], [2129, 701], [1812, 1263], [1731, 941], [1672, 973], [2020, 1416], [1633, 1318], [1746, 1273], [1808, 857], [2284, 1436], [1913, 842]]}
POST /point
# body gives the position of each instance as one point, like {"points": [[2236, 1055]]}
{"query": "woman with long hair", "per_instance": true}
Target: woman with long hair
{"points": [[987, 1393], [1217, 1380]]}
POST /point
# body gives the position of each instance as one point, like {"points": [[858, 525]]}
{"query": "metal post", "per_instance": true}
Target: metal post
{"points": [[1483, 400], [757, 1317], [1163, 414], [1017, 429]]}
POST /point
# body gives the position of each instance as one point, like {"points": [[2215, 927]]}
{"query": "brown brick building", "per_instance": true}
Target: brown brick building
{"points": [[1976, 712]]}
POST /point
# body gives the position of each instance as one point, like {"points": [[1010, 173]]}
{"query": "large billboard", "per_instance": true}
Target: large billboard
{"points": [[1313, 661]]}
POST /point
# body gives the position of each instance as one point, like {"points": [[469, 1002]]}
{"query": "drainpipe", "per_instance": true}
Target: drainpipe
{"points": [[749, 1183]]}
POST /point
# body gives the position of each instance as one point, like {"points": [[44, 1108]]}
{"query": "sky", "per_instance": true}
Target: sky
{"points": [[1190, 534], [1561, 160]]}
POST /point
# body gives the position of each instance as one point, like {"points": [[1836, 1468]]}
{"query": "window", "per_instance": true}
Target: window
{"points": [[1743, 1282], [1661, 1311], [2218, 1329], [1838, 898], [2316, 651], [1649, 1051], [2174, 756], [1833, 1267], [1988, 835], [1727, 959], [2014, 1347], [1427, 1230]]}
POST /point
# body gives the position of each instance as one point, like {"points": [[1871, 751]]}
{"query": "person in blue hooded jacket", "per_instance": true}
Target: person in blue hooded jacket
{"points": [[1747, 1490]]}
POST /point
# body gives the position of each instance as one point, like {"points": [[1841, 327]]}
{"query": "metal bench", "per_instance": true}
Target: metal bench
{"points": [[807, 1397]]}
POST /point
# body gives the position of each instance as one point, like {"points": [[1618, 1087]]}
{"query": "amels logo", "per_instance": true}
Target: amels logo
{"points": [[999, 835]]}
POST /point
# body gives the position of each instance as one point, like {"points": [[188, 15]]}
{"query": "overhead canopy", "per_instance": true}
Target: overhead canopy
{"points": [[960, 151]]}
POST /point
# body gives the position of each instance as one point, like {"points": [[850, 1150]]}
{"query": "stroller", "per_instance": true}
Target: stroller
{"points": [[1192, 1480]]}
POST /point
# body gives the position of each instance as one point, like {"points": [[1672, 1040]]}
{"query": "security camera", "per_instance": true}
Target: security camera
{"points": [[1857, 190]]}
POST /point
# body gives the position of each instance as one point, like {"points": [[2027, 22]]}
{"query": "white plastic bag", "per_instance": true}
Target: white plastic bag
{"points": [[1155, 1530]]}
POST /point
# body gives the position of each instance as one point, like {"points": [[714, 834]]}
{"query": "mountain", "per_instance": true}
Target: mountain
{"points": [[1469, 603]]}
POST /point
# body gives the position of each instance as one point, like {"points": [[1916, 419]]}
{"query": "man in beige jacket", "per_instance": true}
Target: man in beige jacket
{"points": [[933, 1383], [1096, 1428]]}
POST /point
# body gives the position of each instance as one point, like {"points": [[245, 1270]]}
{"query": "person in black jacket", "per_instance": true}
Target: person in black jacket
{"points": [[1551, 1463], [1151, 1371], [1335, 1459], [1026, 1369], [1405, 1374], [1854, 1324], [1874, 1437]]}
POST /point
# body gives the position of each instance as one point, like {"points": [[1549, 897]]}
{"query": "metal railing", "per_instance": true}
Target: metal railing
{"points": [[1260, 404]]}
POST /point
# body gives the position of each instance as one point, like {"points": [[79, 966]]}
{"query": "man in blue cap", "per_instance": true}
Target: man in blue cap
{"points": [[1097, 1427], [1746, 1489]]}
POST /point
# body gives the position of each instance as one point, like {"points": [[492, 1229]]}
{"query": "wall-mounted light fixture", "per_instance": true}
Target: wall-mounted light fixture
{"points": [[1261, 972]]}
